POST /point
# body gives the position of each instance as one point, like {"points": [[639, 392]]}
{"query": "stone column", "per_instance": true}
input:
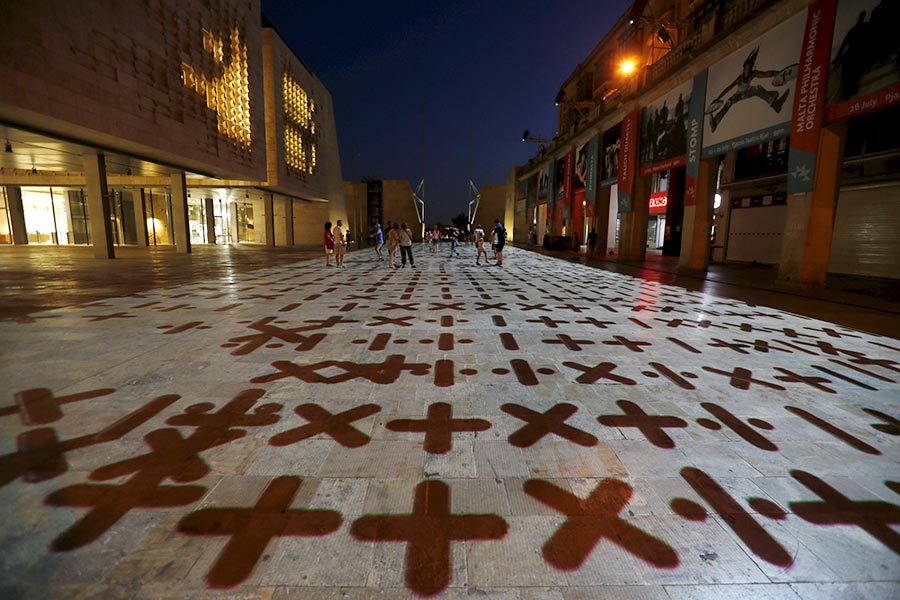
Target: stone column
{"points": [[633, 225], [210, 212], [698, 220], [601, 220], [269, 210], [16, 214], [98, 205], [806, 245], [289, 221], [180, 214]]}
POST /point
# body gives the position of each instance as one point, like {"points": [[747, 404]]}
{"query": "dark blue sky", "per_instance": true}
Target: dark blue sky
{"points": [[394, 68]]}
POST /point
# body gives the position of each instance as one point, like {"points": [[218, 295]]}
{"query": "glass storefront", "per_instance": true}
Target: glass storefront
{"points": [[197, 220], [60, 216], [158, 208], [246, 230], [55, 216]]}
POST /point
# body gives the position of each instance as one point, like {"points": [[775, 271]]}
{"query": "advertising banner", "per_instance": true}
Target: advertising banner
{"points": [[521, 197], [694, 138], [810, 96], [551, 194], [865, 59], [609, 174], [531, 197], [664, 131], [543, 185], [750, 92], [590, 179], [561, 210], [627, 161]]}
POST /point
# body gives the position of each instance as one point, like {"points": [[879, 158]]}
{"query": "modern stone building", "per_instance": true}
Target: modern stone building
{"points": [[755, 131], [160, 123], [381, 201]]}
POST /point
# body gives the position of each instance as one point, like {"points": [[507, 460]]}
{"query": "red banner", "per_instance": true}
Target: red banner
{"points": [[809, 98], [628, 161], [863, 104]]}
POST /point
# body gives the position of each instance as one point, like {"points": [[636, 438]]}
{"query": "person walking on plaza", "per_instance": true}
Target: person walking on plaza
{"points": [[379, 241], [454, 242], [406, 245], [393, 242], [479, 244], [328, 240], [498, 235], [340, 244], [592, 241], [435, 239]]}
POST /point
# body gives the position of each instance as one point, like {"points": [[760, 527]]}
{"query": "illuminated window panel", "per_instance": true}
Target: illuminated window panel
{"points": [[300, 137], [228, 94]]}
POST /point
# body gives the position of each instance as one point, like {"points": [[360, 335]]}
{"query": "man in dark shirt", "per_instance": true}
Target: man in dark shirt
{"points": [[498, 235]]}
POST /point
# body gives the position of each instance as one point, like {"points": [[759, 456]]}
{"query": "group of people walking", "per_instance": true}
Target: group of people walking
{"points": [[399, 235]]}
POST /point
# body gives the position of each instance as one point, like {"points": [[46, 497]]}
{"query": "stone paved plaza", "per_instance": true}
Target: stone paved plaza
{"points": [[537, 430]]}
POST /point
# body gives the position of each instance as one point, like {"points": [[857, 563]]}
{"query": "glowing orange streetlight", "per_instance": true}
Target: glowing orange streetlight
{"points": [[628, 66]]}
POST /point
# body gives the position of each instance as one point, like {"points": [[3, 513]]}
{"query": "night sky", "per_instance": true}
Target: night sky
{"points": [[396, 69]]}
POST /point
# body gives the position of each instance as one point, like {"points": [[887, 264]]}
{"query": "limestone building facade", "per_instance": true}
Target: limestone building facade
{"points": [[159, 123]]}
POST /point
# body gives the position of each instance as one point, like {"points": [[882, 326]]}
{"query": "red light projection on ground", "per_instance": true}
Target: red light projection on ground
{"points": [[438, 428], [652, 426], [428, 533], [749, 434], [875, 517], [850, 440], [594, 374], [335, 426], [734, 516], [172, 457], [38, 406], [41, 456], [592, 520], [251, 529], [540, 424], [381, 373]]}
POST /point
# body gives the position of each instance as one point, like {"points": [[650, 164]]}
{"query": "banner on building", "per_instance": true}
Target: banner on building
{"points": [[664, 131], [609, 172], [749, 93], [531, 197], [561, 209], [543, 186], [521, 197], [590, 178], [809, 101], [627, 161], [551, 193], [865, 61], [694, 138]]}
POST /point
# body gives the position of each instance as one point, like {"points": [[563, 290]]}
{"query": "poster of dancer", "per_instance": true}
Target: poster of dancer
{"points": [[581, 166], [664, 131], [543, 186], [609, 173], [749, 93], [865, 59]]}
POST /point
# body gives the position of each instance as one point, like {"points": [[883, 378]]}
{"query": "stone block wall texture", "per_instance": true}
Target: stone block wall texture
{"points": [[174, 82], [492, 206], [398, 205], [325, 182]]}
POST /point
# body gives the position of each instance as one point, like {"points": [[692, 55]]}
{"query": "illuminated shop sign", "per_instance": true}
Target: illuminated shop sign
{"points": [[300, 135], [228, 91], [659, 200]]}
